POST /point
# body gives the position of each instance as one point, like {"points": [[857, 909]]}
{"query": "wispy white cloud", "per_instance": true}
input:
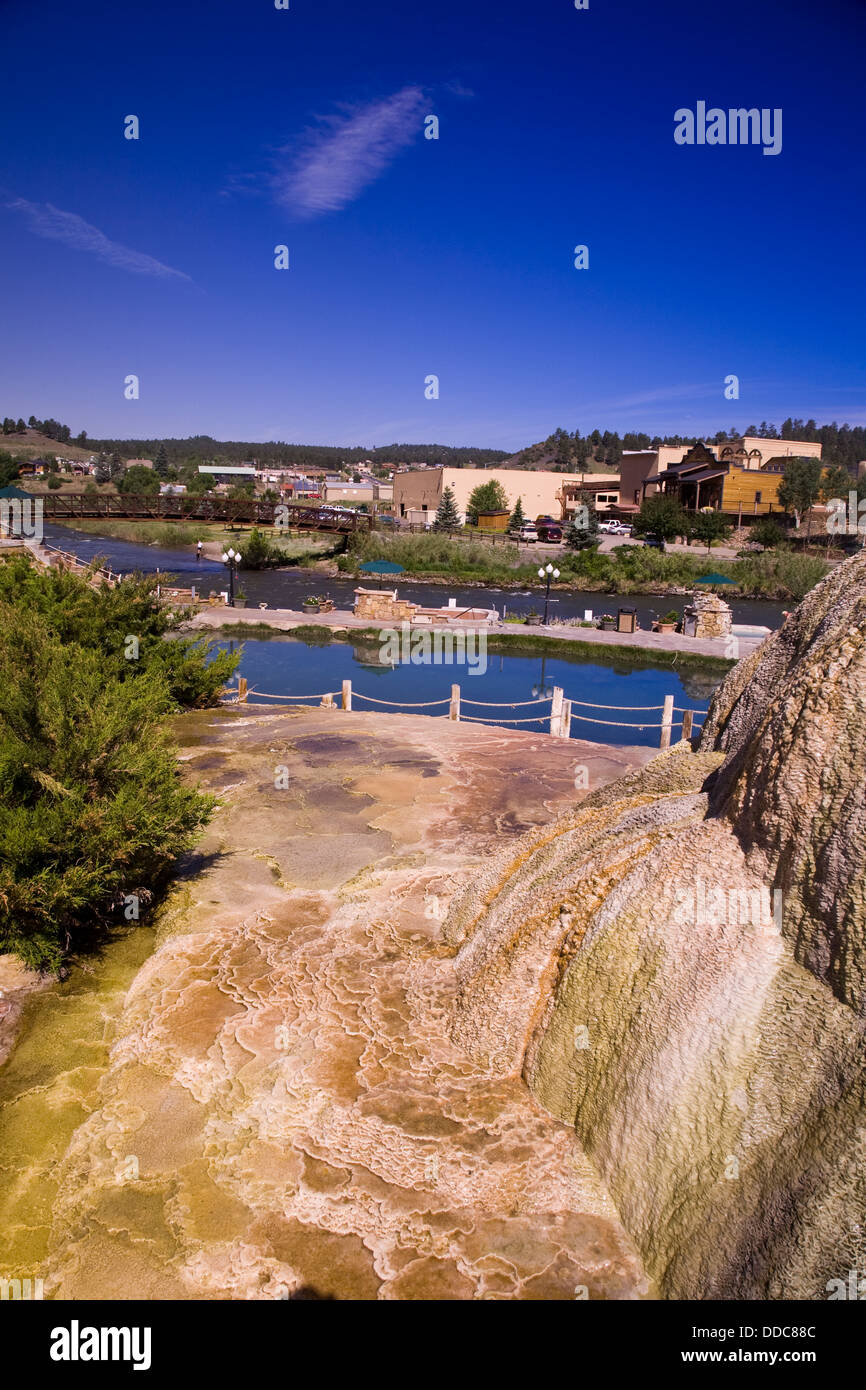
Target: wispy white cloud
{"points": [[346, 153], [48, 221]]}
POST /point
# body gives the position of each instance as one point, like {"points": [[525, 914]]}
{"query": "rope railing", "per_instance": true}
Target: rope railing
{"points": [[425, 704], [516, 704], [559, 718], [641, 709], [266, 695]]}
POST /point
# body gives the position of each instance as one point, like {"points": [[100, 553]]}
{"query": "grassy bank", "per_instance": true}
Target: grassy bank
{"points": [[183, 535], [629, 569]]}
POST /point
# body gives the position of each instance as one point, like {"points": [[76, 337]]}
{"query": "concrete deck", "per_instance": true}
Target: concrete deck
{"points": [[282, 619]]}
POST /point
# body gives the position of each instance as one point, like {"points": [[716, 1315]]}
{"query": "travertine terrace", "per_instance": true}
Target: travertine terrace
{"points": [[284, 1113]]}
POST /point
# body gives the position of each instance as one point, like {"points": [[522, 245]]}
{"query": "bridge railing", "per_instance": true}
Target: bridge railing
{"points": [[234, 510]]}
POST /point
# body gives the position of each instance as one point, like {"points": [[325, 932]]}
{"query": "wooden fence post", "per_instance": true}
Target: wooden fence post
{"points": [[565, 720], [242, 690], [688, 716], [454, 711], [667, 722], [556, 711], [347, 694]]}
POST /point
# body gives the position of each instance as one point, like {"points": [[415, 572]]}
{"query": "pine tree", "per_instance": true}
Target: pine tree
{"points": [[517, 518], [115, 466], [102, 471], [582, 532], [160, 463], [447, 516]]}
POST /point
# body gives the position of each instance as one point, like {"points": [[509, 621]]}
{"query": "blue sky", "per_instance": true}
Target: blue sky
{"points": [[411, 257]]}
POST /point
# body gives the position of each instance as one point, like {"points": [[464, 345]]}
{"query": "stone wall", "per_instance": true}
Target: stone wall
{"points": [[713, 616], [383, 605]]}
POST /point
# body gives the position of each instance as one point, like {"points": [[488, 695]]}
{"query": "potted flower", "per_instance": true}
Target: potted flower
{"points": [[240, 599], [311, 604], [608, 622], [668, 621], [533, 618]]}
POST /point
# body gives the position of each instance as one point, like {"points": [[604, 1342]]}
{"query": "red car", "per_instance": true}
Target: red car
{"points": [[548, 529]]}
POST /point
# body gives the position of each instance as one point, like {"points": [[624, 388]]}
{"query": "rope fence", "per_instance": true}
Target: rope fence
{"points": [[559, 718]]}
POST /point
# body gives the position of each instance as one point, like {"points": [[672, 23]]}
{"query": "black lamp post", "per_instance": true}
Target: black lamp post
{"points": [[547, 573], [231, 559]]}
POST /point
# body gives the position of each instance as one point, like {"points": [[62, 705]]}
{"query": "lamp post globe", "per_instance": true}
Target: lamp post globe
{"points": [[547, 573], [230, 558]]}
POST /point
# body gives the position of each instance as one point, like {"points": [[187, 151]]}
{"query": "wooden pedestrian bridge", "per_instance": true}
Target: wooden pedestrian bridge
{"points": [[236, 511]]}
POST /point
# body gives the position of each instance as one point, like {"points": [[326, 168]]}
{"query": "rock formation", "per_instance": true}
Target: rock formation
{"points": [[679, 968]]}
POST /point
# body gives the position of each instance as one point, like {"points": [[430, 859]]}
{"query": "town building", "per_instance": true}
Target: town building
{"points": [[418, 492], [738, 477], [372, 491], [238, 474]]}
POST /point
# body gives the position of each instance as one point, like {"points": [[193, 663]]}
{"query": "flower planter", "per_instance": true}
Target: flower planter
{"points": [[240, 603], [533, 622], [609, 626], [665, 627], [310, 607]]}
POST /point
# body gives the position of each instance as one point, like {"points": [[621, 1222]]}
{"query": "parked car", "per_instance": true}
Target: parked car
{"points": [[528, 532], [654, 542], [548, 529], [608, 527], [620, 528]]}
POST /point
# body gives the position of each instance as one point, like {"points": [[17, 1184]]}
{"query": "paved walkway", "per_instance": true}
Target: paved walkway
{"points": [[283, 619]]}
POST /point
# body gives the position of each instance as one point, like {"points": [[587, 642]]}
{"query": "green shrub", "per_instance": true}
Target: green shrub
{"points": [[92, 808]]}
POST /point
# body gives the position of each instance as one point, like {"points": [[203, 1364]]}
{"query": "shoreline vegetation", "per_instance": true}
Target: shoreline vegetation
{"points": [[629, 569], [775, 575]]}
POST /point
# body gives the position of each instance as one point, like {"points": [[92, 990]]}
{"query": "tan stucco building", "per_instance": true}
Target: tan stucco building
{"points": [[418, 492]]}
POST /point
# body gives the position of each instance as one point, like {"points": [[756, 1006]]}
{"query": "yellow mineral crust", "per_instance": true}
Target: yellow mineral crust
{"points": [[285, 1112]]}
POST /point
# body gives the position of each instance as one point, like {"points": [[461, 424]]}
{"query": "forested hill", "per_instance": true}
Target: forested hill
{"points": [[204, 448], [596, 451]]}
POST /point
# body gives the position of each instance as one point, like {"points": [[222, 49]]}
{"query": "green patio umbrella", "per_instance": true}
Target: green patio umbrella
{"points": [[715, 579], [380, 567]]}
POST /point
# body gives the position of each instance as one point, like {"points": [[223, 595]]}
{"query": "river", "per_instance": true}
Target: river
{"points": [[492, 682], [287, 588]]}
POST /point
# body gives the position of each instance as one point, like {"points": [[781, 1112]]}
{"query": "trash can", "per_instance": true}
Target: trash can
{"points": [[627, 620]]}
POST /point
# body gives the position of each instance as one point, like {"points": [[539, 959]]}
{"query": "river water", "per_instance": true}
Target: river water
{"points": [[492, 681], [287, 588]]}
